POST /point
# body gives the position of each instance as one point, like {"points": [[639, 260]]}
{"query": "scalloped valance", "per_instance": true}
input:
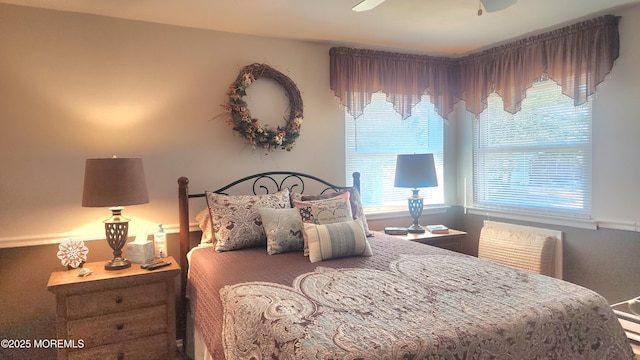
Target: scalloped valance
{"points": [[577, 57]]}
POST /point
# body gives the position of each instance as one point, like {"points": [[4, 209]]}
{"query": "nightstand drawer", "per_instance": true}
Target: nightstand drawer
{"points": [[147, 348], [110, 301], [119, 327]]}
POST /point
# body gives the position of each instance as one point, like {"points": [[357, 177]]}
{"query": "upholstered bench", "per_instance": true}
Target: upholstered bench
{"points": [[528, 248]]}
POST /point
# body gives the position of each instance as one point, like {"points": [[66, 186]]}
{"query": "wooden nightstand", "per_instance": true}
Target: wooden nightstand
{"points": [[451, 240], [121, 314]]}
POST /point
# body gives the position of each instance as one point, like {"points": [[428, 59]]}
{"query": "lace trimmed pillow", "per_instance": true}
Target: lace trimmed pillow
{"points": [[355, 201], [336, 240], [235, 219], [324, 211]]}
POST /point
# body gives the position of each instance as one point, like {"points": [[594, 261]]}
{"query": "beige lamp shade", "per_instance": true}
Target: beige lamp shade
{"points": [[114, 182]]}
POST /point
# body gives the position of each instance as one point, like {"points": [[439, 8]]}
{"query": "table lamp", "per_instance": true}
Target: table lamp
{"points": [[415, 171], [114, 183]]}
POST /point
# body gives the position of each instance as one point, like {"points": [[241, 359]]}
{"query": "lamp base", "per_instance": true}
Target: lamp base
{"points": [[416, 229], [116, 229], [415, 209], [117, 264]]}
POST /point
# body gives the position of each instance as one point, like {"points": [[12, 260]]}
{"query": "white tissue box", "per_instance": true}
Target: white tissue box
{"points": [[140, 252]]}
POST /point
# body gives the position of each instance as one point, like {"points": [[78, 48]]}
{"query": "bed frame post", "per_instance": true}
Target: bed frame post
{"points": [[183, 209], [183, 218]]}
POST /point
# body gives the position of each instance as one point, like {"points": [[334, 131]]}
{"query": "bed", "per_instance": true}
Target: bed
{"points": [[361, 294]]}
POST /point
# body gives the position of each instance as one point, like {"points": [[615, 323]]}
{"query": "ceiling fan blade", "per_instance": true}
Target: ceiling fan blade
{"points": [[497, 5], [366, 5]]}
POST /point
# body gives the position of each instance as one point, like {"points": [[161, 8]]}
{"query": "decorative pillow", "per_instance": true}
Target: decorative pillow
{"points": [[204, 222], [283, 228], [236, 221], [324, 211], [336, 240], [357, 210]]}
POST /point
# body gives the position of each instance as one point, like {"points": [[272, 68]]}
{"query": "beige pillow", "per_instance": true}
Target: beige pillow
{"points": [[204, 223], [235, 219], [336, 240]]}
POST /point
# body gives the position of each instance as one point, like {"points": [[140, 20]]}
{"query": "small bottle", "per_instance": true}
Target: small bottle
{"points": [[160, 242]]}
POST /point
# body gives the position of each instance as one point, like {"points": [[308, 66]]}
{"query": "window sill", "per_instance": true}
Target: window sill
{"points": [[562, 221], [386, 212]]}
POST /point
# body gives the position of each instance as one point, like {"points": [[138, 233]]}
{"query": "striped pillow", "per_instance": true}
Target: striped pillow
{"points": [[336, 240]]}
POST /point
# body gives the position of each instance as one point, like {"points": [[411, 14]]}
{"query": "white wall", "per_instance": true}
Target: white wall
{"points": [[616, 133], [81, 86]]}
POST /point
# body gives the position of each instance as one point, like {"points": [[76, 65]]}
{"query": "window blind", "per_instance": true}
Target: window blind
{"points": [[537, 160], [375, 138]]}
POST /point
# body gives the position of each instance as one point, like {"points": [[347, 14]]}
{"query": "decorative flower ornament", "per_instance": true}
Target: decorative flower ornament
{"points": [[256, 134], [72, 253]]}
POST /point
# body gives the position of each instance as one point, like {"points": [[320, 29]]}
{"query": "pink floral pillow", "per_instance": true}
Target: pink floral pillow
{"points": [[236, 221], [324, 211], [354, 200]]}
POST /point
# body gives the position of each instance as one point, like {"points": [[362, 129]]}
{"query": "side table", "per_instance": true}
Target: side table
{"points": [[118, 314], [450, 241]]}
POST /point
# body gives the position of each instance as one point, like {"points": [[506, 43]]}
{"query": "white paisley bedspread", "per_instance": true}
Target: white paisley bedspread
{"points": [[423, 307]]}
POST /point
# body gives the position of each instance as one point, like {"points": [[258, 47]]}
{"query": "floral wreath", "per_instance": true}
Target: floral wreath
{"points": [[259, 135]]}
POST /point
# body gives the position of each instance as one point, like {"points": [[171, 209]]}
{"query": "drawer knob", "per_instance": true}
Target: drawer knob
{"points": [[120, 356], [119, 299], [120, 326]]}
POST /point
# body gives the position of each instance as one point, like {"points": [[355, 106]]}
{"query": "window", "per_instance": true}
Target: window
{"points": [[538, 160], [375, 138]]}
